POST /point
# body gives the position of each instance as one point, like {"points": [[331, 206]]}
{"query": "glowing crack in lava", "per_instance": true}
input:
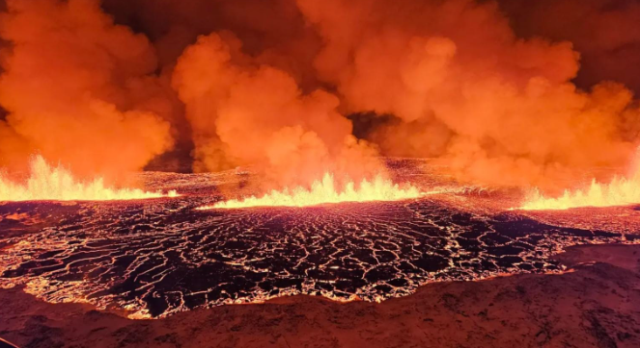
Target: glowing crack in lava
{"points": [[47, 183], [324, 192]]}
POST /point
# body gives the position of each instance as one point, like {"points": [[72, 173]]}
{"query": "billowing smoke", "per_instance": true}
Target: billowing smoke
{"points": [[494, 91], [70, 82], [495, 108], [271, 31], [244, 113], [605, 32]]}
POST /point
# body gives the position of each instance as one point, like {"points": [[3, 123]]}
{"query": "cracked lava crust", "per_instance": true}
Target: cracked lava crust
{"points": [[156, 257]]}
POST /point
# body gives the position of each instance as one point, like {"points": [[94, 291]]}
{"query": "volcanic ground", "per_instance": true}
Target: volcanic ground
{"points": [[156, 257]]}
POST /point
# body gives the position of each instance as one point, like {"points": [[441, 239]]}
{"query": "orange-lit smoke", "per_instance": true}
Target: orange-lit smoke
{"points": [[246, 113], [605, 32], [496, 109], [270, 83], [69, 79]]}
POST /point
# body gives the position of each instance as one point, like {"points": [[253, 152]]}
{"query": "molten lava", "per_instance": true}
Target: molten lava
{"points": [[620, 191], [58, 184], [325, 192]]}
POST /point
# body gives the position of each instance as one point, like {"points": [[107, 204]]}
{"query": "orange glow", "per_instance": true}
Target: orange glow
{"points": [[620, 191], [325, 192], [58, 184]]}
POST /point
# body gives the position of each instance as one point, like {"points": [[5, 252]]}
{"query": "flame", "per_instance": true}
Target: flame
{"points": [[324, 192], [58, 184], [620, 191]]}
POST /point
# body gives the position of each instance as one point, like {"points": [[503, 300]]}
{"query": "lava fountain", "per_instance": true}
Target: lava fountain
{"points": [[620, 191], [325, 192], [47, 183]]}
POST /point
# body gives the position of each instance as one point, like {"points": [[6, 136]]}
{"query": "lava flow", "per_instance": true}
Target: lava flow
{"points": [[47, 183], [159, 257], [325, 192]]}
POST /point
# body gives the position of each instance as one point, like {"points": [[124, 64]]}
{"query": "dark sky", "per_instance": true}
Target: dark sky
{"points": [[605, 32]]}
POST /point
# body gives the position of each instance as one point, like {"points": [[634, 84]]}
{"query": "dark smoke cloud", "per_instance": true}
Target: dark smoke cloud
{"points": [[245, 113], [605, 32], [272, 31]]}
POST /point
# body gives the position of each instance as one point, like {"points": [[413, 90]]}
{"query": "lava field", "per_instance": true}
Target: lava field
{"points": [[156, 257]]}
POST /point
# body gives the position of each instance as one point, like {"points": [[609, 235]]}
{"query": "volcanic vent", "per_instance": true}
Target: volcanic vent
{"points": [[153, 258]]}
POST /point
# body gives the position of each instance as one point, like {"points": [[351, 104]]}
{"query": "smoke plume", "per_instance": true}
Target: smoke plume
{"points": [[69, 86], [245, 113], [605, 32], [498, 92], [495, 108]]}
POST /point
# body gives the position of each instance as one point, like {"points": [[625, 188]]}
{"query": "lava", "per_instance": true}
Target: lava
{"points": [[47, 183], [325, 192], [620, 191], [154, 258]]}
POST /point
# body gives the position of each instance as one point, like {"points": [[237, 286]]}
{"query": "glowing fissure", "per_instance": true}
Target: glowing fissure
{"points": [[47, 183], [620, 191], [325, 192]]}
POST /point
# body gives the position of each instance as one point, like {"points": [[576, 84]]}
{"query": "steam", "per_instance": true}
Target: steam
{"points": [[493, 90], [244, 113], [68, 77], [503, 110]]}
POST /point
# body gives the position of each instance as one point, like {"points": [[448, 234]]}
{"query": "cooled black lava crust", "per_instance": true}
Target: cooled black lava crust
{"points": [[162, 256]]}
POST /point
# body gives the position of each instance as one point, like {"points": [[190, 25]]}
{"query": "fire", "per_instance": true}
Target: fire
{"points": [[58, 184], [620, 191], [325, 192]]}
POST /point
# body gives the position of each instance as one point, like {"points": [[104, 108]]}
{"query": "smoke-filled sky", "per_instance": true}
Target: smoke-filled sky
{"points": [[500, 93]]}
